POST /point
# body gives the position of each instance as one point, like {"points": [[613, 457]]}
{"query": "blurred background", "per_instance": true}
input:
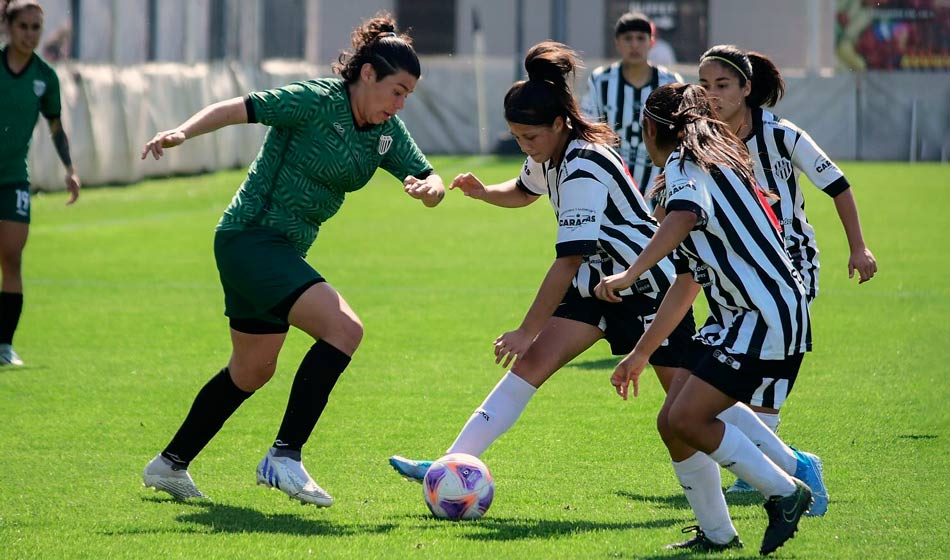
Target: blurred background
{"points": [[869, 80]]}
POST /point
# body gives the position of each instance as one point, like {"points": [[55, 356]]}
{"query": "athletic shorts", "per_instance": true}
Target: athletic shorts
{"points": [[15, 202], [756, 382], [262, 276], [624, 323]]}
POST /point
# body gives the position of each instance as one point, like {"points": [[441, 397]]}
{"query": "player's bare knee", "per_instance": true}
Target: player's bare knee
{"points": [[252, 376], [346, 335]]}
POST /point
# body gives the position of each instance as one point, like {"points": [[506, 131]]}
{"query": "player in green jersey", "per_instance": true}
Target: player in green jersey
{"points": [[327, 138], [28, 87]]}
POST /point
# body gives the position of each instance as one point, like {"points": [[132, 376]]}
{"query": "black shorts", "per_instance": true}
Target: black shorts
{"points": [[756, 382], [624, 323]]}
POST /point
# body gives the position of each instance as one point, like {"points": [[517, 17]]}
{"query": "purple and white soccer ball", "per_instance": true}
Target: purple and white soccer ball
{"points": [[458, 486]]}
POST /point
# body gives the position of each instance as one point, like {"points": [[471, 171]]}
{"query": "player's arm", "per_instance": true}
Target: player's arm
{"points": [[507, 195], [61, 143], [861, 258], [430, 189], [209, 119], [514, 344]]}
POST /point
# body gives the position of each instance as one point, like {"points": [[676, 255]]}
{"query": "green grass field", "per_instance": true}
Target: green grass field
{"points": [[123, 324]]}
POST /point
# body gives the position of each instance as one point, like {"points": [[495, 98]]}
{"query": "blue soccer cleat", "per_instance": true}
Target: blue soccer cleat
{"points": [[409, 469], [740, 487], [811, 471]]}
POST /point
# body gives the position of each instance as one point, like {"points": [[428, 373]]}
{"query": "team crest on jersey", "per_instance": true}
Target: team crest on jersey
{"points": [[384, 144], [338, 128], [39, 87], [782, 169]]}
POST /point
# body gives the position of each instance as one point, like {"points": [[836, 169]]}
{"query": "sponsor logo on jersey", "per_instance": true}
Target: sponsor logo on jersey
{"points": [[384, 144], [39, 87], [822, 163], [677, 187], [701, 275], [782, 169], [576, 217]]}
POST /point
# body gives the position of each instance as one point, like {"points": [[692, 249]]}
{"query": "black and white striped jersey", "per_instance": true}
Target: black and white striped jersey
{"points": [[780, 153], [600, 213], [611, 99], [757, 303]]}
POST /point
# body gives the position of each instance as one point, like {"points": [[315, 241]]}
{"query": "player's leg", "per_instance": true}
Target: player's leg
{"points": [[13, 236]]}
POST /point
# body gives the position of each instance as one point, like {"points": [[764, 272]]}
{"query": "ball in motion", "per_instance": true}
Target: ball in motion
{"points": [[458, 486]]}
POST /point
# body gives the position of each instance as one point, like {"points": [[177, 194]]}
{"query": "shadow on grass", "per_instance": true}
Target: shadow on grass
{"points": [[511, 529], [678, 501], [606, 364]]}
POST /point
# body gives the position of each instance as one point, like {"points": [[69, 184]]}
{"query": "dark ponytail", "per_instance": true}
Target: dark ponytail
{"points": [[547, 94], [375, 42], [767, 84], [685, 121]]}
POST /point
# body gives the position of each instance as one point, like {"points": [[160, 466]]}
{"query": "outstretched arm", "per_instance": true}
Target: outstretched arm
{"points": [[209, 119], [61, 142], [861, 258], [506, 195], [430, 190]]}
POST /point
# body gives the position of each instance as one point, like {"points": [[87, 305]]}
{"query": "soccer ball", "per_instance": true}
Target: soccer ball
{"points": [[458, 486]]}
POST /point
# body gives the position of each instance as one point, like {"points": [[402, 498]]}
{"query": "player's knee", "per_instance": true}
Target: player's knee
{"points": [[663, 426], [681, 423], [11, 262], [346, 335], [252, 376]]}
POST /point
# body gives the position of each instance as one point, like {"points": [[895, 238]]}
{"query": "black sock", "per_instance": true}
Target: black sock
{"points": [[215, 403], [11, 305], [315, 378]]}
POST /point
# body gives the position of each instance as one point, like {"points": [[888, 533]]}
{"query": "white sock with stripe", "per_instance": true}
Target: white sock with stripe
{"points": [[742, 417], [498, 412], [740, 456], [699, 477]]}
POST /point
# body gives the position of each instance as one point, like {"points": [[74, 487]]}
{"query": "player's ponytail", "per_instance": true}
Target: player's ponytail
{"points": [[547, 94], [768, 87], [375, 41], [685, 122]]}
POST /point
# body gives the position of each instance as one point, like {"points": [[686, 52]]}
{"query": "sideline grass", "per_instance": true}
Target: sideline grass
{"points": [[122, 325]]}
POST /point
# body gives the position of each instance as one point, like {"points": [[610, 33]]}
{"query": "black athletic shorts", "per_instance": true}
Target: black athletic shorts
{"points": [[756, 382]]}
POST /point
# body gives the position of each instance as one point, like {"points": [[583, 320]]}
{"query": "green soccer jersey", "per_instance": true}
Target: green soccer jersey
{"points": [[312, 156], [23, 96]]}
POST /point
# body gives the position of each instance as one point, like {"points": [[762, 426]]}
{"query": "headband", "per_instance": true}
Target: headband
{"points": [[386, 34], [657, 118], [730, 63]]}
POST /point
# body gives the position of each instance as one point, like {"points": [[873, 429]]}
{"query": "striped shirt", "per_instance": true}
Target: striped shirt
{"points": [[780, 153], [600, 213], [611, 99], [757, 303]]}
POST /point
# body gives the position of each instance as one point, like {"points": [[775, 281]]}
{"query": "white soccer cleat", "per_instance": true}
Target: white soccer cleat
{"points": [[8, 357], [160, 475], [291, 478]]}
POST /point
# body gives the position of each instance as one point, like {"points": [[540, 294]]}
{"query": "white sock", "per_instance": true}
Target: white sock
{"points": [[699, 477], [770, 420], [742, 417], [737, 453], [498, 412]]}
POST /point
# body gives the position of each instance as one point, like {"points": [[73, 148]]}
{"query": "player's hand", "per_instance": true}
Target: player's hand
{"points": [[608, 286], [512, 346], [863, 261], [470, 185], [429, 190], [629, 369], [167, 139], [72, 185]]}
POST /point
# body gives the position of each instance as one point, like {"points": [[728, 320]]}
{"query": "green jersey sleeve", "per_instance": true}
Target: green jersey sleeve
{"points": [[50, 105], [285, 106], [404, 158]]}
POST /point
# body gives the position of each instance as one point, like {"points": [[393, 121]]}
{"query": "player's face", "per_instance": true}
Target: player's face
{"points": [[649, 140], [633, 46], [386, 97], [25, 31], [539, 142], [722, 87]]}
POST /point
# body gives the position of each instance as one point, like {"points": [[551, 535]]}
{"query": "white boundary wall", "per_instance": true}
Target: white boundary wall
{"points": [[110, 112]]}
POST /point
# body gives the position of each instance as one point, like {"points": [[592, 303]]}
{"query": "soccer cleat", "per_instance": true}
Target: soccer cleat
{"points": [[160, 475], [8, 356], [409, 469], [784, 514], [702, 543], [811, 471], [740, 487], [291, 478]]}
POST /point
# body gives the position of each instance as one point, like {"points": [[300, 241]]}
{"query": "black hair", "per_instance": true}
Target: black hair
{"points": [[375, 41], [633, 21], [768, 87], [686, 121], [546, 94]]}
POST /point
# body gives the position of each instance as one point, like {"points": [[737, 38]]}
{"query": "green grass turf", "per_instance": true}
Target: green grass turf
{"points": [[123, 324]]}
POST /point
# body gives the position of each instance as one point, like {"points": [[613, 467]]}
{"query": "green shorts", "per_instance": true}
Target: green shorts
{"points": [[262, 276], [15, 202]]}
